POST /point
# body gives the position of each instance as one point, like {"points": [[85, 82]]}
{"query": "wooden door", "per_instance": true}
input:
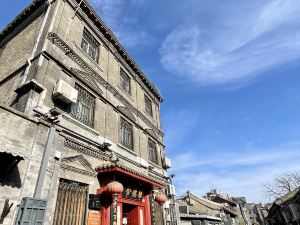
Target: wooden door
{"points": [[71, 203]]}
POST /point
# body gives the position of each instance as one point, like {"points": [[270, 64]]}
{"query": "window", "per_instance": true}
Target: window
{"points": [[152, 151], [83, 109], [125, 81], [126, 134], [90, 45], [148, 106]]}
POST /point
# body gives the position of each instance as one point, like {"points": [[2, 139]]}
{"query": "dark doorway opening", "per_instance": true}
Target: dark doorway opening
{"points": [[130, 214]]}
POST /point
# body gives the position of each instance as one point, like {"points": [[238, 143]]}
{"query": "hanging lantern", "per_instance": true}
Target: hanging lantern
{"points": [[114, 188], [160, 198]]}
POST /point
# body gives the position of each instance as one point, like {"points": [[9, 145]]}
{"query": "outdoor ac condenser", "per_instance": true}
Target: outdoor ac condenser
{"points": [[65, 92], [166, 162], [171, 190]]}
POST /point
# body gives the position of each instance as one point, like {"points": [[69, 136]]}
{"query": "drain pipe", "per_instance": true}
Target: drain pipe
{"points": [[52, 117], [37, 42]]}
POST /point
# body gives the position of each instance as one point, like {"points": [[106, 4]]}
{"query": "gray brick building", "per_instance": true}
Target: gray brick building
{"points": [[77, 115]]}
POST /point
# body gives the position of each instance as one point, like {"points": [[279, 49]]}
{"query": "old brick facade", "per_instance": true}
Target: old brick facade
{"points": [[43, 45]]}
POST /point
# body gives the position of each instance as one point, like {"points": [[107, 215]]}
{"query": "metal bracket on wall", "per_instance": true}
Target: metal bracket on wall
{"points": [[5, 210]]}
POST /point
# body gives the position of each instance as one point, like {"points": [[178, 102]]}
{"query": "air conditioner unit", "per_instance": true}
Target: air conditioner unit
{"points": [[65, 92], [166, 163], [171, 190]]}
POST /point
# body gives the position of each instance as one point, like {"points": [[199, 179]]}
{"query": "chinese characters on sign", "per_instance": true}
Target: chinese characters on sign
{"points": [[133, 194]]}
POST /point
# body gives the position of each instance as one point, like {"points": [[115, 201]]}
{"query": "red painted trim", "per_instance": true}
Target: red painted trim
{"points": [[118, 169], [147, 210], [127, 201]]}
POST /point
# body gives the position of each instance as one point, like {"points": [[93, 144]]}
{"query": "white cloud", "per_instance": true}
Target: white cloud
{"points": [[230, 173], [240, 51], [177, 125], [192, 159], [117, 15]]}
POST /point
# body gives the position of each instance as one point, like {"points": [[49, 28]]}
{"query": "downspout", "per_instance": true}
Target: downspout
{"points": [[44, 162], [37, 42]]}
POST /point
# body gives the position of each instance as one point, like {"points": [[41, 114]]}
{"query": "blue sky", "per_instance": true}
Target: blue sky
{"points": [[229, 74]]}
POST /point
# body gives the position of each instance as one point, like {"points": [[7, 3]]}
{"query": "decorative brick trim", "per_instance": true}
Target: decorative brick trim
{"points": [[85, 149], [77, 170]]}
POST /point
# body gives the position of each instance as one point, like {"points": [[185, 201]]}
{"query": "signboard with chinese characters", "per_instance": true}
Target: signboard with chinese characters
{"points": [[133, 193]]}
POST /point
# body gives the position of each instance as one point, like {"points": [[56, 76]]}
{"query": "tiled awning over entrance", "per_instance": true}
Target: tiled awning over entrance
{"points": [[117, 167]]}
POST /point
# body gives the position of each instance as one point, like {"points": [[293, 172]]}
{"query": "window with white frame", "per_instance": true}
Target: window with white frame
{"points": [[126, 134], [152, 151], [125, 81], [148, 106], [90, 45]]}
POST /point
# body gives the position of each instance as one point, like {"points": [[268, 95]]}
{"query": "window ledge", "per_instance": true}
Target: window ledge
{"points": [[80, 124], [154, 164], [127, 149], [89, 57], [126, 93]]}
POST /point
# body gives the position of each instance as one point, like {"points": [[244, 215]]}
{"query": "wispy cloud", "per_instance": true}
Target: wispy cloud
{"points": [[239, 174], [177, 125], [192, 159], [238, 49], [123, 22]]}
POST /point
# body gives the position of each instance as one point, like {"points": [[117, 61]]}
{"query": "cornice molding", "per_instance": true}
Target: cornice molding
{"points": [[65, 164], [85, 149]]}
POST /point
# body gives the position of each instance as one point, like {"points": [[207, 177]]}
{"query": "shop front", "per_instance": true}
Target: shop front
{"points": [[127, 198]]}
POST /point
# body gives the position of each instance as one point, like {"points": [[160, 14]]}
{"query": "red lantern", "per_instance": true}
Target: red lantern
{"points": [[114, 188], [160, 198]]}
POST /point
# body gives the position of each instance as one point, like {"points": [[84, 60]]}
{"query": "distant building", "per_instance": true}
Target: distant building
{"points": [[197, 210], [285, 210], [230, 207]]}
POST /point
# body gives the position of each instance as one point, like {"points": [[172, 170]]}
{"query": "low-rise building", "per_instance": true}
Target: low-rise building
{"points": [[285, 210]]}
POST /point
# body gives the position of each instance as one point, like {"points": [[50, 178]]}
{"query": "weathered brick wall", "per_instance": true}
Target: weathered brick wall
{"points": [[7, 87], [19, 48], [21, 134]]}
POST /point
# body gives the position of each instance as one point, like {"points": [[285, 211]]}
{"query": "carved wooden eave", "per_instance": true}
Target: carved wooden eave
{"points": [[127, 112], [78, 164]]}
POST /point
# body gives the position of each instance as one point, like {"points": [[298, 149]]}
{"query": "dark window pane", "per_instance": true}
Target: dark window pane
{"points": [[126, 134], [152, 151], [148, 106], [90, 45], [83, 109], [125, 81]]}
